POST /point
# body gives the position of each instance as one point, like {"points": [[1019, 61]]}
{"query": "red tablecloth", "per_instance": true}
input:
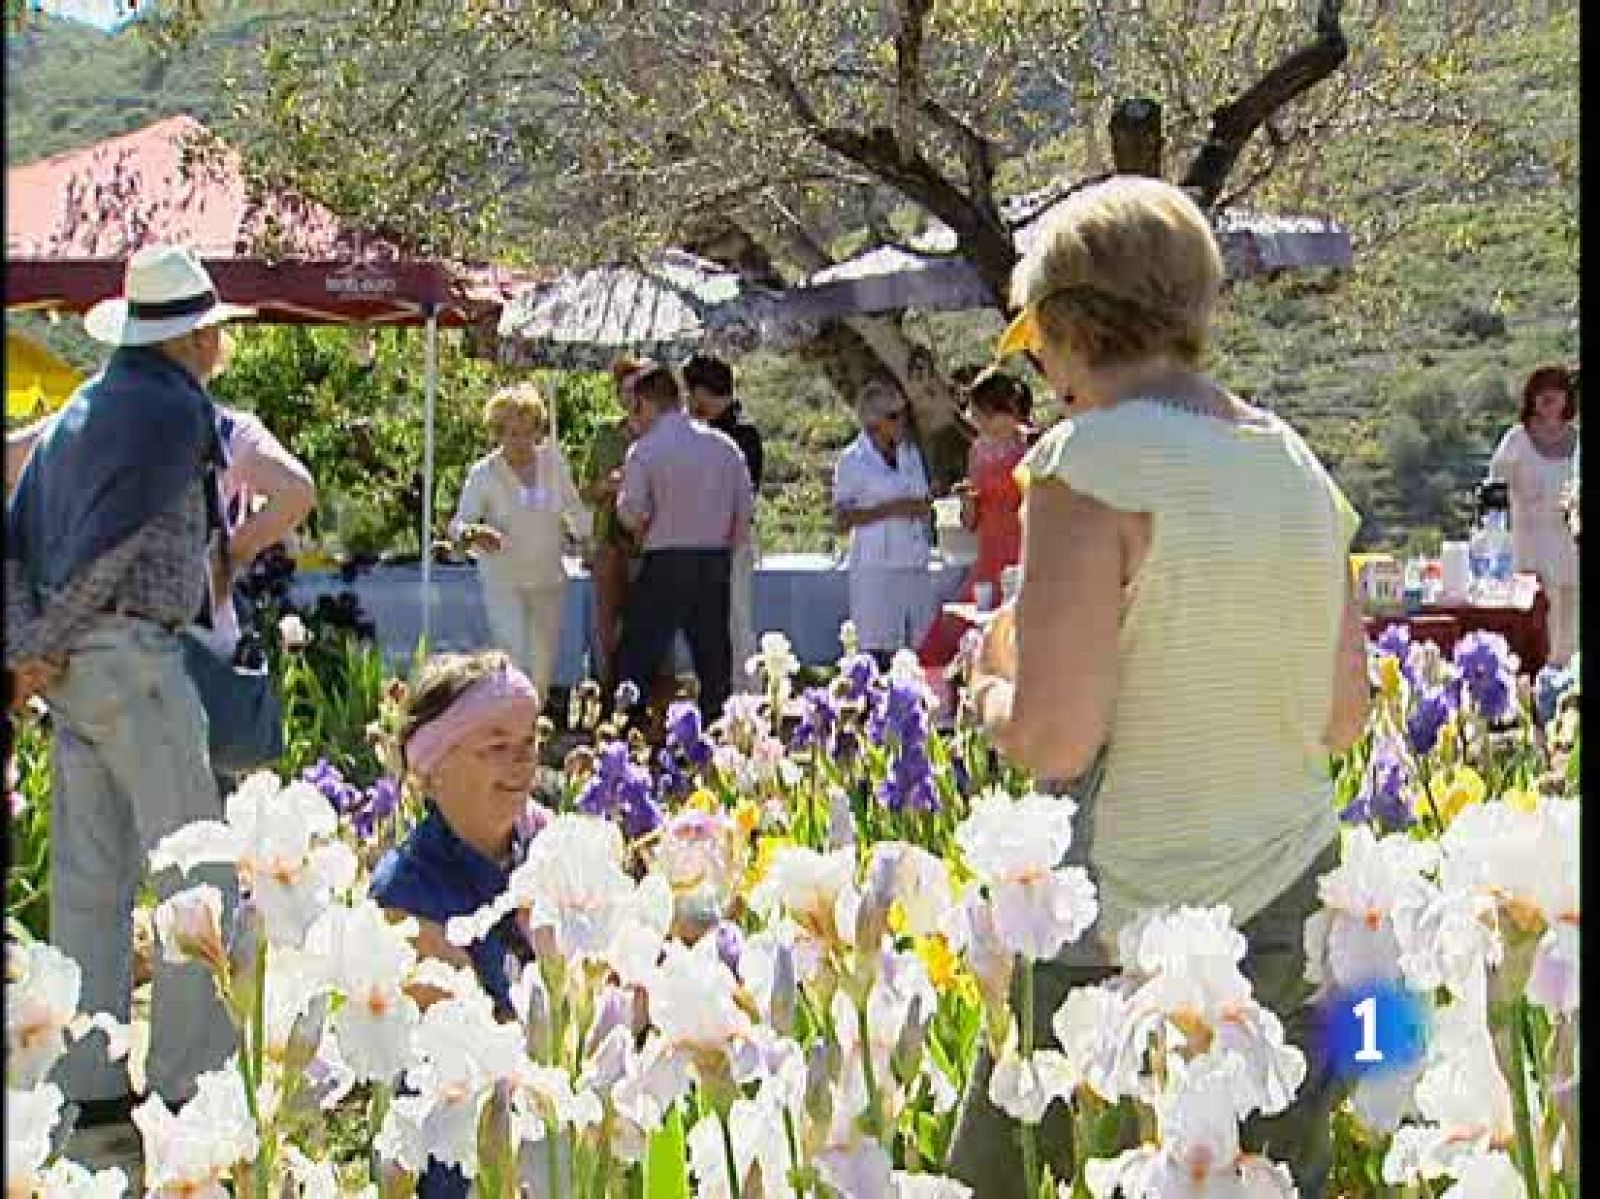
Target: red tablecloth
{"points": [[1525, 631]]}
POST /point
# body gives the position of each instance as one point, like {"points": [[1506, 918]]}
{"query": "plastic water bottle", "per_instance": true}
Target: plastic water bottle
{"points": [[1489, 560], [1500, 556], [1478, 568]]}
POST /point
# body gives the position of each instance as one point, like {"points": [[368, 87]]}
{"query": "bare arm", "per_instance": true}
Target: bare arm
{"points": [[1051, 716], [291, 494], [1352, 692], [19, 446]]}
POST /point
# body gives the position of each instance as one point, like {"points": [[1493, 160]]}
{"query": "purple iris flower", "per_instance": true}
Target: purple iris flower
{"points": [[330, 781], [859, 672], [1383, 799], [910, 782], [379, 802], [1484, 660], [1433, 706], [622, 791], [627, 695], [730, 944], [686, 731], [901, 721], [902, 714], [819, 717], [1395, 641], [671, 781], [1550, 687]]}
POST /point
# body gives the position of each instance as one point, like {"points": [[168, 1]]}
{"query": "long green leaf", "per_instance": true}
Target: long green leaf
{"points": [[666, 1161]]}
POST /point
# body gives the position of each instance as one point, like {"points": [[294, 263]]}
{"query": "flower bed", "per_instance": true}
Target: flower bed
{"points": [[768, 951]]}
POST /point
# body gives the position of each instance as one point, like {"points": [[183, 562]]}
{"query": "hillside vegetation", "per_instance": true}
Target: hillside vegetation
{"points": [[1401, 374]]}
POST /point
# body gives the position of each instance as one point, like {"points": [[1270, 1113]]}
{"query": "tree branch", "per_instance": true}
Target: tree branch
{"points": [[911, 18], [1235, 123]]}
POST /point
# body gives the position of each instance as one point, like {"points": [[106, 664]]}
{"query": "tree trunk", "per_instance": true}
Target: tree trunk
{"points": [[860, 350]]}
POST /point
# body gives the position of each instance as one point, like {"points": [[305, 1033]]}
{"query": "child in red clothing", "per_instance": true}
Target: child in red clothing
{"points": [[998, 405]]}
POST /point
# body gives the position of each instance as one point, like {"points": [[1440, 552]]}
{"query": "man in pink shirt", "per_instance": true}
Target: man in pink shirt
{"points": [[686, 490]]}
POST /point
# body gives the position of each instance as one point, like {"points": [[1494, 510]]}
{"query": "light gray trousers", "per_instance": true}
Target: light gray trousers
{"points": [[130, 766]]}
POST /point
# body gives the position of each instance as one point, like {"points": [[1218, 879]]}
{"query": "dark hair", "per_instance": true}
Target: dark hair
{"points": [[1544, 379], [710, 372], [658, 385], [443, 679], [994, 390]]}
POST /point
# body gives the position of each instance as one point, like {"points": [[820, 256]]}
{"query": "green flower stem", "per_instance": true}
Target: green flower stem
{"points": [[258, 1054], [727, 1154], [378, 1112], [1030, 1132], [789, 1135], [1527, 1161]]}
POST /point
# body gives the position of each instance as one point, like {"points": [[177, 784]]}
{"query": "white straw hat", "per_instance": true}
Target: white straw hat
{"points": [[166, 293]]}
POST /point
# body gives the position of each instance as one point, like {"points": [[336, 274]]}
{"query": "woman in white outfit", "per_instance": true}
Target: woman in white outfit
{"points": [[515, 506], [882, 499], [1535, 459]]}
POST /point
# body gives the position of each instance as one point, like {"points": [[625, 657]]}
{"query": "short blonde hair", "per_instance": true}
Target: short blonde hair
{"points": [[1124, 269], [524, 398]]}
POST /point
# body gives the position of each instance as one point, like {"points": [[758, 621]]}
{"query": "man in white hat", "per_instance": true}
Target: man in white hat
{"points": [[108, 554]]}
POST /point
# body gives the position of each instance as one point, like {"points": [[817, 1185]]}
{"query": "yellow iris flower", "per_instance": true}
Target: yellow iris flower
{"points": [[1521, 799], [944, 967], [766, 850], [1455, 792], [1389, 676], [747, 816]]}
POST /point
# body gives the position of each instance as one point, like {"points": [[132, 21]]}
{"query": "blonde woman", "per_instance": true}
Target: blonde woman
{"points": [[1186, 621], [515, 507]]}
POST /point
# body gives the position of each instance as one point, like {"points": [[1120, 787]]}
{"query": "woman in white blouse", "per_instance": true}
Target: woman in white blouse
{"points": [[1534, 459], [882, 499], [515, 506]]}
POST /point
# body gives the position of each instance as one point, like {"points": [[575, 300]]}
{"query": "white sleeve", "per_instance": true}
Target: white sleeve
{"points": [[848, 485], [1506, 454]]}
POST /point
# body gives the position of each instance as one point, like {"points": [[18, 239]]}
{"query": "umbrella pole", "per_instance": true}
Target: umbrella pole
{"points": [[430, 388]]}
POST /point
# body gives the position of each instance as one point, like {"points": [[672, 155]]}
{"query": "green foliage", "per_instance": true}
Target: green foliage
{"points": [[1463, 212], [28, 863], [69, 85], [358, 425]]}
